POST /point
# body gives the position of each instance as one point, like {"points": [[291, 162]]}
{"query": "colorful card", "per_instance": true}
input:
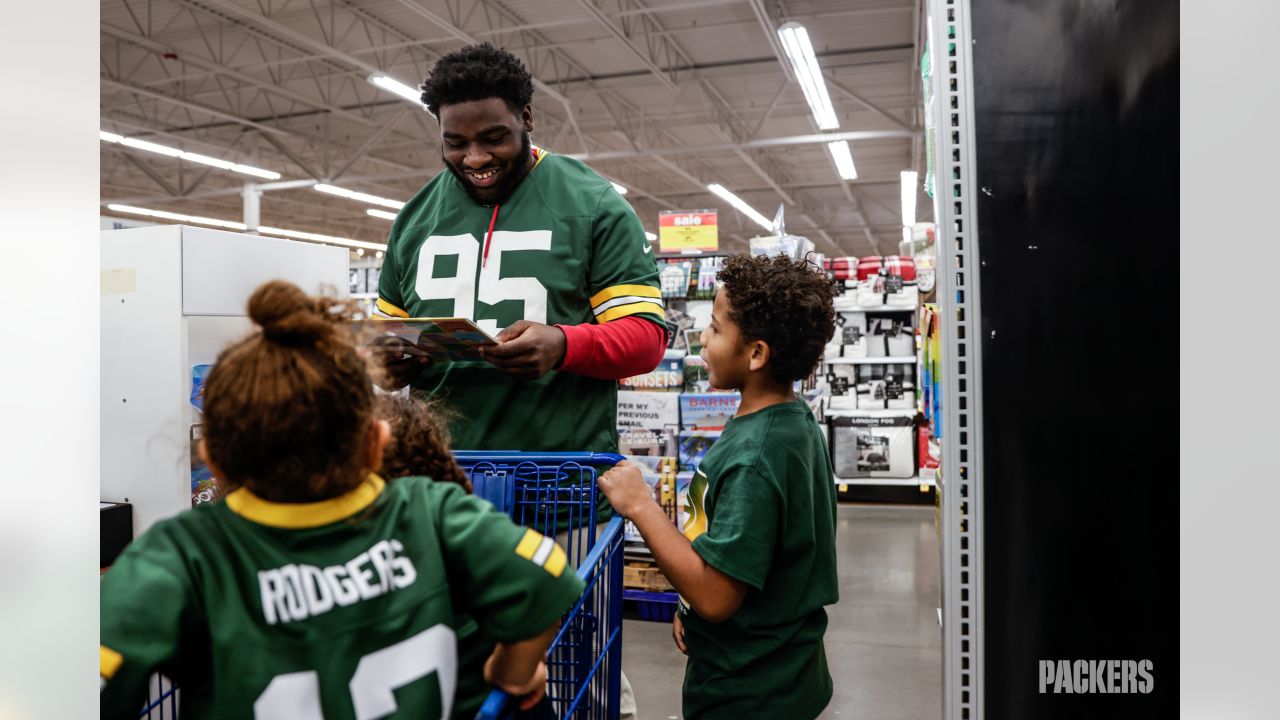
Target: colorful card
{"points": [[452, 339]]}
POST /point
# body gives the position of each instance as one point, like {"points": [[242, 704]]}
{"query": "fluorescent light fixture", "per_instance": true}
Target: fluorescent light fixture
{"points": [[650, 236], [909, 198], [740, 205], [176, 217], [621, 190], [317, 237], [382, 214], [196, 219], [362, 197], [844, 159], [391, 85], [188, 156], [795, 40]]}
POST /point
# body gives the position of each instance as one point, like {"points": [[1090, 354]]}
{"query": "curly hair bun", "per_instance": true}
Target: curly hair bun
{"points": [[287, 315]]}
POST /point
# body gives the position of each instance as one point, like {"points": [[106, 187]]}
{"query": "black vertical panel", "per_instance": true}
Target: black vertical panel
{"points": [[1076, 125]]}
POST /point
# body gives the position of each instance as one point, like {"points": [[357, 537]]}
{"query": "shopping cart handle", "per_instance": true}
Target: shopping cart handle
{"points": [[582, 458], [495, 706]]}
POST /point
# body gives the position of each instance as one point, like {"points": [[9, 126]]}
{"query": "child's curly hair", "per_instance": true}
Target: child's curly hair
{"points": [[787, 304], [419, 441]]}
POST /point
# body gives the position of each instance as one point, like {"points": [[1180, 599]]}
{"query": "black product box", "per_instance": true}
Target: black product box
{"points": [[115, 531]]}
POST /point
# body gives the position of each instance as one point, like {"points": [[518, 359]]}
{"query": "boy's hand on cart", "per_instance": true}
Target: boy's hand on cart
{"points": [[677, 632], [527, 350], [626, 489], [399, 364]]}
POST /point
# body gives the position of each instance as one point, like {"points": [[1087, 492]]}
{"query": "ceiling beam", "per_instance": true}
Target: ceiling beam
{"points": [[813, 139]]}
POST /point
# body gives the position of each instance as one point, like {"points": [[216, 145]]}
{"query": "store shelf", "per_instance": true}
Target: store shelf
{"points": [[876, 310], [363, 296], [905, 482], [871, 361]]}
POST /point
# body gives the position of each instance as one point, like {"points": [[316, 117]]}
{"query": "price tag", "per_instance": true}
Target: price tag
{"points": [[893, 284]]}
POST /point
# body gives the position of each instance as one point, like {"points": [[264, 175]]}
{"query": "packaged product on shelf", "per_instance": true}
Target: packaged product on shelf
{"points": [[887, 281], [842, 268], [842, 384], [886, 386], [674, 279], [649, 410], [647, 443], [694, 445], [668, 376], [707, 411], [890, 337], [878, 445], [851, 335], [696, 379], [651, 471], [684, 478], [708, 270], [926, 454]]}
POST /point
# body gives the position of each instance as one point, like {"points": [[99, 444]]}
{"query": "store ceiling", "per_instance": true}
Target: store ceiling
{"points": [[667, 95]]}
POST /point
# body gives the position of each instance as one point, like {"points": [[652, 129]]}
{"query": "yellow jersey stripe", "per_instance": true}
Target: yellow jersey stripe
{"points": [[610, 293], [557, 562], [528, 544], [389, 309], [109, 661], [294, 516], [632, 309]]}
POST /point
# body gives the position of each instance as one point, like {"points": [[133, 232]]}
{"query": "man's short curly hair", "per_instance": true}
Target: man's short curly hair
{"points": [[478, 72], [787, 304]]}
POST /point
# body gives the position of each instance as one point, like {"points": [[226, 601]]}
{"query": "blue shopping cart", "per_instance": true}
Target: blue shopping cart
{"points": [[556, 494]]}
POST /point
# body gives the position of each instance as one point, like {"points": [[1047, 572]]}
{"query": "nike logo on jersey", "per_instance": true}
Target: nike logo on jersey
{"points": [[647, 248], [297, 592]]}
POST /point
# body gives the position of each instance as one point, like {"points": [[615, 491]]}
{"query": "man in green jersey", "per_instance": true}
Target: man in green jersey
{"points": [[538, 250], [756, 563]]}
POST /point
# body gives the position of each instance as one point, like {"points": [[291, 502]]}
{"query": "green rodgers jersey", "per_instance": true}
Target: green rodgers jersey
{"points": [[762, 510], [336, 609], [565, 249]]}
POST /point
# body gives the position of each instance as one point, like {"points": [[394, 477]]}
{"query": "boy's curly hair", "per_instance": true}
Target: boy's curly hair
{"points": [[787, 304], [419, 441], [478, 72]]}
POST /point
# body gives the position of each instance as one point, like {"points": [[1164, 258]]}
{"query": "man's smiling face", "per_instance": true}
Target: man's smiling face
{"points": [[486, 145]]}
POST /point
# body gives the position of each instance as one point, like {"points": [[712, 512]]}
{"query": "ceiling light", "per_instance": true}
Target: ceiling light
{"points": [[844, 159], [196, 219], [177, 217], [740, 205], [650, 236], [391, 85], [795, 40], [378, 255], [359, 252], [172, 152], [317, 237], [362, 197], [909, 198], [621, 190], [382, 214]]}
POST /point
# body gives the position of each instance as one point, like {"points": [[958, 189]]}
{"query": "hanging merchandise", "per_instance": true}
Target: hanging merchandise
{"points": [[890, 337], [886, 386], [873, 446], [931, 368], [887, 281]]}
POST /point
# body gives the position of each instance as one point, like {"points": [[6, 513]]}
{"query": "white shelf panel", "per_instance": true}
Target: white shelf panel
{"points": [[904, 482], [876, 310], [871, 361]]}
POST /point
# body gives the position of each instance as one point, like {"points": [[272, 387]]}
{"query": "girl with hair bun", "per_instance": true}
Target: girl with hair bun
{"points": [[315, 589]]}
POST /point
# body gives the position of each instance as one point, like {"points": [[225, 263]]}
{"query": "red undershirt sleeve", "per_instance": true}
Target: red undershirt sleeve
{"points": [[614, 350]]}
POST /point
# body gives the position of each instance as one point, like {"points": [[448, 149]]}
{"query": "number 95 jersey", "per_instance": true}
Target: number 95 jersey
{"points": [[565, 249], [337, 609]]}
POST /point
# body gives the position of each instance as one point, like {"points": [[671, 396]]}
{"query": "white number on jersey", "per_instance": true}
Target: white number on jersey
{"points": [[491, 288], [296, 696]]}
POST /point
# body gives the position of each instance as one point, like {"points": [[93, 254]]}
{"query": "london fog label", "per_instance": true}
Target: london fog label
{"points": [[1096, 677]]}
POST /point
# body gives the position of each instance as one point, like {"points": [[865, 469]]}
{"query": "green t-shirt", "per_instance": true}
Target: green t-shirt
{"points": [[566, 249], [763, 511], [338, 609]]}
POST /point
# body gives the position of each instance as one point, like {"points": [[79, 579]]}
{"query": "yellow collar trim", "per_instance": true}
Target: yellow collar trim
{"points": [[539, 156], [296, 516]]}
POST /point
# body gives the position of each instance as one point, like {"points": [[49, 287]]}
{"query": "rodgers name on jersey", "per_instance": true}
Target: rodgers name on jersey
{"points": [[297, 592]]}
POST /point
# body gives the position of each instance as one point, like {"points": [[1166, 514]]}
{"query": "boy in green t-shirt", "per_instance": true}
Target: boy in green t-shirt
{"points": [[756, 562]]}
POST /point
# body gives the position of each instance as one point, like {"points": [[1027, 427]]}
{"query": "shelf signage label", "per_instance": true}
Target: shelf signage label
{"points": [[686, 230]]}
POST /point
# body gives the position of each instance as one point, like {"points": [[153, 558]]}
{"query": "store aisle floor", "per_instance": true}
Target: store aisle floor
{"points": [[884, 645]]}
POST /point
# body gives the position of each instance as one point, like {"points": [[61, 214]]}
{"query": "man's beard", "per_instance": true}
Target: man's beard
{"points": [[511, 176]]}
